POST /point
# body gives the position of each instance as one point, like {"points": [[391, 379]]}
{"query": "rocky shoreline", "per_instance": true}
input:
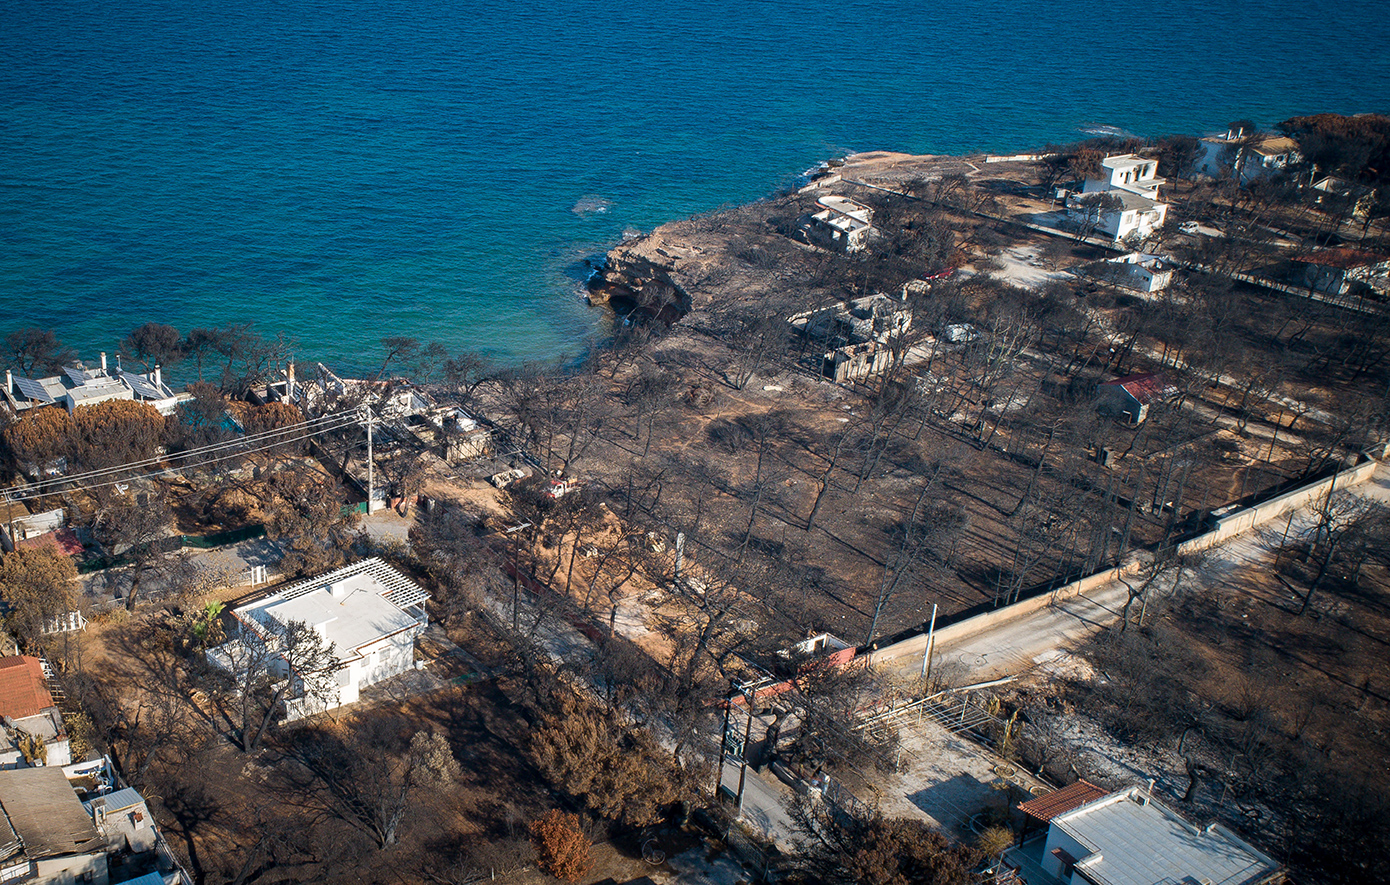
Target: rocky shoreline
{"points": [[700, 262]]}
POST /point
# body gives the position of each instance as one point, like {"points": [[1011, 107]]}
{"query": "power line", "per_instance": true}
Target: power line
{"points": [[169, 471], [234, 448], [321, 425]]}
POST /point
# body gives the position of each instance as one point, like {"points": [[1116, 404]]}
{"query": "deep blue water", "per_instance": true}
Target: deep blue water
{"points": [[343, 171]]}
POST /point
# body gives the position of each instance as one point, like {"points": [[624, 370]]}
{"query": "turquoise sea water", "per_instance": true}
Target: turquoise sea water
{"points": [[343, 171]]}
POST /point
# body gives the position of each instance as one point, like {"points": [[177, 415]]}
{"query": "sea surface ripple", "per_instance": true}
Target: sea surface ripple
{"points": [[341, 171]]}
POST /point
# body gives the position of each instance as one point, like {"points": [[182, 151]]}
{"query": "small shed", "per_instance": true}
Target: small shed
{"points": [[1128, 399], [1338, 271]]}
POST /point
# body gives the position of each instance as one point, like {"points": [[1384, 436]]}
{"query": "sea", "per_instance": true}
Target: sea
{"points": [[340, 171]]}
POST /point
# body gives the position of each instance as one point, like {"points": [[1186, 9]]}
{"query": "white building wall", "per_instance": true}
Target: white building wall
{"points": [[1212, 162], [85, 868], [1059, 838]]}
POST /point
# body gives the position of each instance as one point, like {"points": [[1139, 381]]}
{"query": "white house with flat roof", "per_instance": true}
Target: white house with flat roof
{"points": [[1126, 172], [1133, 181], [370, 612], [1127, 838], [1132, 215], [841, 224]]}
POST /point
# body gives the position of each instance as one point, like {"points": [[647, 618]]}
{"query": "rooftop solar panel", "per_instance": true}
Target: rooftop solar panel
{"points": [[33, 390], [142, 386], [77, 374]]}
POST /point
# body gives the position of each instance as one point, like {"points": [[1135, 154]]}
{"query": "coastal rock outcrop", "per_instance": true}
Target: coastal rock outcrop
{"points": [[629, 283]]}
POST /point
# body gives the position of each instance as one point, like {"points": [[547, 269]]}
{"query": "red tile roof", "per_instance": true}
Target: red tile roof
{"points": [[23, 689], [1045, 808], [1146, 388], [63, 541], [1343, 258]]}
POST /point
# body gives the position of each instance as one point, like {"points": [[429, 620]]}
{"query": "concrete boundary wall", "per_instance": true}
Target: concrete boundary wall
{"points": [[1241, 521], [916, 645], [1225, 528]]}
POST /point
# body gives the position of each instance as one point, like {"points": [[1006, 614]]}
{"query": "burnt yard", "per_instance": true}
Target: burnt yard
{"points": [[965, 474], [778, 439]]}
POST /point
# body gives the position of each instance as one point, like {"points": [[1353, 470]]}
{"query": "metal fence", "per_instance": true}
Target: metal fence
{"points": [[748, 853]]}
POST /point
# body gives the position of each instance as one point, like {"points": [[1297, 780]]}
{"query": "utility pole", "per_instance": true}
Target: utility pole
{"points": [[926, 654], [748, 697], [371, 462], [9, 509], [516, 573], [724, 741]]}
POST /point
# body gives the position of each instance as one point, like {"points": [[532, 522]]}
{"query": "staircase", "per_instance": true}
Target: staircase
{"points": [[54, 687]]}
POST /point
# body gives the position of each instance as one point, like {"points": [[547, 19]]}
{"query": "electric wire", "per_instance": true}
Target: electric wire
{"points": [[319, 424], [235, 448]]}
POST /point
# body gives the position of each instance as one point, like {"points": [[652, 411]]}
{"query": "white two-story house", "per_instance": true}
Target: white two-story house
{"points": [[1246, 157], [1132, 209]]}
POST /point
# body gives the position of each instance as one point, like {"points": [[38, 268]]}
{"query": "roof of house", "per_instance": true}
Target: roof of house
{"points": [[12, 510], [100, 389], [1145, 387], [1128, 199], [845, 206], [351, 607], [1134, 840], [1275, 145], [1124, 161], [1332, 185], [46, 814], [9, 840], [63, 541], [118, 800], [23, 688], [1048, 806], [1148, 260], [144, 387], [1341, 258]]}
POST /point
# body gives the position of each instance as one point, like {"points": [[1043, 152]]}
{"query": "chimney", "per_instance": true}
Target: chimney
{"points": [[289, 385], [159, 379], [9, 381], [1148, 793], [103, 362]]}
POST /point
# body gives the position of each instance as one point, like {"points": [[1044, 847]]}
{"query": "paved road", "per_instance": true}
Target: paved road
{"points": [[763, 797], [1020, 645]]}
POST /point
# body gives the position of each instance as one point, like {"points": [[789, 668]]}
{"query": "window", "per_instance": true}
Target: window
{"points": [[17, 871]]}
